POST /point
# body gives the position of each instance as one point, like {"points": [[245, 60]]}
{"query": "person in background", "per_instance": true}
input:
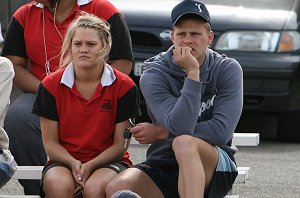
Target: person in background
{"points": [[33, 44], [84, 108], [7, 164], [196, 95], [125, 194]]}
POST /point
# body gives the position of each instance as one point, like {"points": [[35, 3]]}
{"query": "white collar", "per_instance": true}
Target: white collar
{"points": [[108, 76], [79, 2]]}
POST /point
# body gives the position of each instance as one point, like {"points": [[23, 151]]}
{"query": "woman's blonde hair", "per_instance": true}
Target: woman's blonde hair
{"points": [[86, 21]]}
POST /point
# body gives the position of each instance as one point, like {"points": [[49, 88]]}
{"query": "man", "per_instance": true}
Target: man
{"points": [[196, 95]]}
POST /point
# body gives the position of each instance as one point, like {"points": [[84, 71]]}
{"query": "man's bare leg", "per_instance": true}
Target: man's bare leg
{"points": [[197, 161], [136, 181]]}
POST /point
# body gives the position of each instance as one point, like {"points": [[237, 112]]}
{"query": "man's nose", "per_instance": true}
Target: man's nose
{"points": [[187, 39]]}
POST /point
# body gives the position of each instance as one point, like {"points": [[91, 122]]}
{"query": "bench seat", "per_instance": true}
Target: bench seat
{"points": [[35, 172], [239, 139]]}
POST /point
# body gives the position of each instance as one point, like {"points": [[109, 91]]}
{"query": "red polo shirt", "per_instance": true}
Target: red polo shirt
{"points": [[86, 127], [31, 33]]}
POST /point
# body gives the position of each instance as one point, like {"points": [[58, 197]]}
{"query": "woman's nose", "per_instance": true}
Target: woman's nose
{"points": [[83, 48]]}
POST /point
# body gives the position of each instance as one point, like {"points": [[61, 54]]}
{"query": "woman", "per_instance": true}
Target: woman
{"points": [[33, 44], [84, 108]]}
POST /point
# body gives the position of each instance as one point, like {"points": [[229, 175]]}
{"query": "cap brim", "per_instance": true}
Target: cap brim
{"points": [[199, 15]]}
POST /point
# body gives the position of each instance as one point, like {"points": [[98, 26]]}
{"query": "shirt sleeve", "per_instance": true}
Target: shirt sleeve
{"points": [[121, 47], [45, 104], [228, 105], [128, 105], [14, 43]]}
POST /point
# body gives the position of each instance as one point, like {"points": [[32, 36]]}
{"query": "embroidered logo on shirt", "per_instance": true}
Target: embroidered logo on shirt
{"points": [[106, 106]]}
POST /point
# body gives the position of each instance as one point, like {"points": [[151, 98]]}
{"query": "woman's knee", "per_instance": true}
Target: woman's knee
{"points": [[58, 185], [95, 189]]}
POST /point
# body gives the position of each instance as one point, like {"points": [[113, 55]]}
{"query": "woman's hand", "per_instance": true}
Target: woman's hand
{"points": [[76, 172], [85, 171]]}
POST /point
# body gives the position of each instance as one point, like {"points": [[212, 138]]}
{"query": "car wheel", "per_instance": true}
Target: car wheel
{"points": [[289, 126]]}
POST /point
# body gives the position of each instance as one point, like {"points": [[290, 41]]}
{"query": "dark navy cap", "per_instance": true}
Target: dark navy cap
{"points": [[190, 7]]}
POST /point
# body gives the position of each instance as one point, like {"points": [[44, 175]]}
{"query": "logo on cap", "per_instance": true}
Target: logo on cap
{"points": [[199, 6]]}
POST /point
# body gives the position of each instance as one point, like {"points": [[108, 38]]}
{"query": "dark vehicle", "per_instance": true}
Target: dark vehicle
{"points": [[263, 35]]}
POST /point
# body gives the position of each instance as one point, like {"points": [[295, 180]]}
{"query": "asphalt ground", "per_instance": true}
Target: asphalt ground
{"points": [[274, 170]]}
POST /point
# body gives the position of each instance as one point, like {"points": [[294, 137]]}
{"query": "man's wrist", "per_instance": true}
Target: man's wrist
{"points": [[163, 133], [194, 75]]}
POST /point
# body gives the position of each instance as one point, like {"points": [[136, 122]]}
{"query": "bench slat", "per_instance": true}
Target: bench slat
{"points": [[35, 172], [239, 139], [245, 139], [28, 172], [247, 169]]}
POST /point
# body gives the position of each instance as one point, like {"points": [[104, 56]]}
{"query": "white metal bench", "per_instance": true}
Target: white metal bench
{"points": [[35, 172], [239, 139], [245, 139]]}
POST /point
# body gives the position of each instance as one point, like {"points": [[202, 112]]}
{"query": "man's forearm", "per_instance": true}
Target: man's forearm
{"points": [[24, 80], [122, 65]]}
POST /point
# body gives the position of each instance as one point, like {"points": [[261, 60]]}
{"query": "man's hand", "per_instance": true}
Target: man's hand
{"points": [[146, 133], [185, 59]]}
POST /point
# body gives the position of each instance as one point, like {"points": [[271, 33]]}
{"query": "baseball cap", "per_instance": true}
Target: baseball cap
{"points": [[190, 7]]}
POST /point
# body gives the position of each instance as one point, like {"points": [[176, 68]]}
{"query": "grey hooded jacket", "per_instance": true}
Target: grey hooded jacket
{"points": [[209, 109]]}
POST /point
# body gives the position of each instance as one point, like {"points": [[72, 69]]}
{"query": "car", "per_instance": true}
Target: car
{"points": [[263, 35]]}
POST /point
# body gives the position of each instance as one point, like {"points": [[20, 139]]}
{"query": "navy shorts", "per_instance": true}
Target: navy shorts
{"points": [[166, 177]]}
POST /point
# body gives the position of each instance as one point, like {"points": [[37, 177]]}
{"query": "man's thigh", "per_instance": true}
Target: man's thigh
{"points": [[137, 181]]}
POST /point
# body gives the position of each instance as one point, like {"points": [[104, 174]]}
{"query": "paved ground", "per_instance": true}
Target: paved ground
{"points": [[274, 171]]}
